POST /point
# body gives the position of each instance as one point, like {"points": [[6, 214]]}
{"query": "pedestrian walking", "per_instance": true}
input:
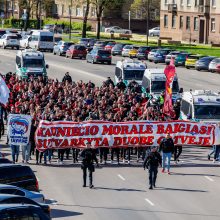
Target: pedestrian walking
{"points": [[88, 157], [217, 152], [212, 152], [152, 161], [167, 149]]}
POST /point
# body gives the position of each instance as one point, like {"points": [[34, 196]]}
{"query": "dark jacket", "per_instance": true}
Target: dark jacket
{"points": [[67, 78], [153, 160], [88, 157], [167, 145]]}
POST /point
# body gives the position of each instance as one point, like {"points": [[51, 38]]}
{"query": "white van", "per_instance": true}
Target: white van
{"points": [[129, 70], [200, 105], [42, 40], [154, 82]]}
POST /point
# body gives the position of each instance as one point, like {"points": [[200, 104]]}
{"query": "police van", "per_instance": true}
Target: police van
{"points": [[129, 70], [41, 40], [200, 105], [154, 83], [30, 62]]}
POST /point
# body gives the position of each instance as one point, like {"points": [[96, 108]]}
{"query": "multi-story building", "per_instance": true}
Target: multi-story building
{"points": [[190, 20], [9, 8]]}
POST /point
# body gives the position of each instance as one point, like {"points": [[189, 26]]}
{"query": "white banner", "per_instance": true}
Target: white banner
{"points": [[66, 134], [19, 127], [4, 92]]}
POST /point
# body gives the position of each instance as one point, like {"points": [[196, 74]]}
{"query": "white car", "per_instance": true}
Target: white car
{"points": [[10, 189], [24, 42], [154, 32], [116, 29], [9, 40], [126, 49]]}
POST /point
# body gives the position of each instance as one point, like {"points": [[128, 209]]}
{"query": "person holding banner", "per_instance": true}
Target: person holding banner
{"points": [[88, 157], [15, 149], [152, 161], [167, 148]]}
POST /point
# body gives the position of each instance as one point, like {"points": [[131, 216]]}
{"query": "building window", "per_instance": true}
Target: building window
{"points": [[166, 2], [196, 24], [181, 22], [187, 23], [188, 2], [93, 12], [173, 21], [62, 10], [165, 20], [212, 24], [84, 10], [214, 3], [181, 2], [78, 11]]}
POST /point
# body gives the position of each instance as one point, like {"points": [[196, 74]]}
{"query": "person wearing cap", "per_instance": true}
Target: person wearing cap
{"points": [[88, 156], [152, 161], [167, 148]]}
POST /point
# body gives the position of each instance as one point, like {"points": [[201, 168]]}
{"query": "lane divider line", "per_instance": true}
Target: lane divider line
{"points": [[209, 178], [148, 201], [121, 177]]}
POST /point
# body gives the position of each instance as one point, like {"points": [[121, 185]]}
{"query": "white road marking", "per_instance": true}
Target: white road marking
{"points": [[151, 203], [208, 178], [121, 177]]}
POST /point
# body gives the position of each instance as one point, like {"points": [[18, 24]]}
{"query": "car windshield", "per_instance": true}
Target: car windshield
{"points": [[159, 86], [128, 47], [143, 49], [33, 63], [12, 37], [111, 43], [118, 46], [46, 38], [67, 44], [133, 74], [104, 52], [207, 111]]}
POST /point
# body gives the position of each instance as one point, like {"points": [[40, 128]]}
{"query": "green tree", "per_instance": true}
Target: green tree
{"points": [[100, 6]]}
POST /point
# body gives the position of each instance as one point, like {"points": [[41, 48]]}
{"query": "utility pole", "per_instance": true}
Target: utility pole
{"points": [[70, 13], [129, 20], [12, 8], [40, 14]]}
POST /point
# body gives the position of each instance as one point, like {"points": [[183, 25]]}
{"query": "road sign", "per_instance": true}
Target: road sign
{"points": [[24, 16]]}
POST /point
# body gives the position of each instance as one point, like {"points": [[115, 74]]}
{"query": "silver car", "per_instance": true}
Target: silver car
{"points": [[154, 32], [214, 65], [151, 54], [9, 189], [61, 47], [126, 49]]}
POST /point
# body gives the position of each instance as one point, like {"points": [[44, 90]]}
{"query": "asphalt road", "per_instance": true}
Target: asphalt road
{"points": [[80, 69], [190, 193]]}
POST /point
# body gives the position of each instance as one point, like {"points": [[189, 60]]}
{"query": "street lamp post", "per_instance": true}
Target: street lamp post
{"points": [[148, 18], [129, 20]]}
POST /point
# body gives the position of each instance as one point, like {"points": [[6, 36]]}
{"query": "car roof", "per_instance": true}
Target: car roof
{"points": [[8, 186], [6, 196]]}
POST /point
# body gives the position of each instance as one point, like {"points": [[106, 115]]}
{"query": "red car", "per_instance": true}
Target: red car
{"points": [[76, 51], [110, 45]]}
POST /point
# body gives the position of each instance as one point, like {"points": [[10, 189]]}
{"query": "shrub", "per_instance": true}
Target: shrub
{"points": [[79, 26]]}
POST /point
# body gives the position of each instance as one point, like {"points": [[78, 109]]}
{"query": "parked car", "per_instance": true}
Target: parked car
{"points": [[2, 32], [203, 63], [61, 47], [9, 40], [110, 45], [75, 51], [87, 42], [143, 52], [18, 175], [151, 54], [191, 60], [14, 199], [133, 52], [154, 32], [214, 65], [101, 44], [117, 49], [57, 38], [4, 160], [24, 42], [99, 56], [126, 50], [160, 55], [181, 59], [14, 190], [22, 212], [57, 29], [116, 29], [171, 55]]}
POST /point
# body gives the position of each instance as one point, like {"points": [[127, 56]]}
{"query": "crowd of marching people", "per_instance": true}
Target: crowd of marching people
{"points": [[79, 101]]}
